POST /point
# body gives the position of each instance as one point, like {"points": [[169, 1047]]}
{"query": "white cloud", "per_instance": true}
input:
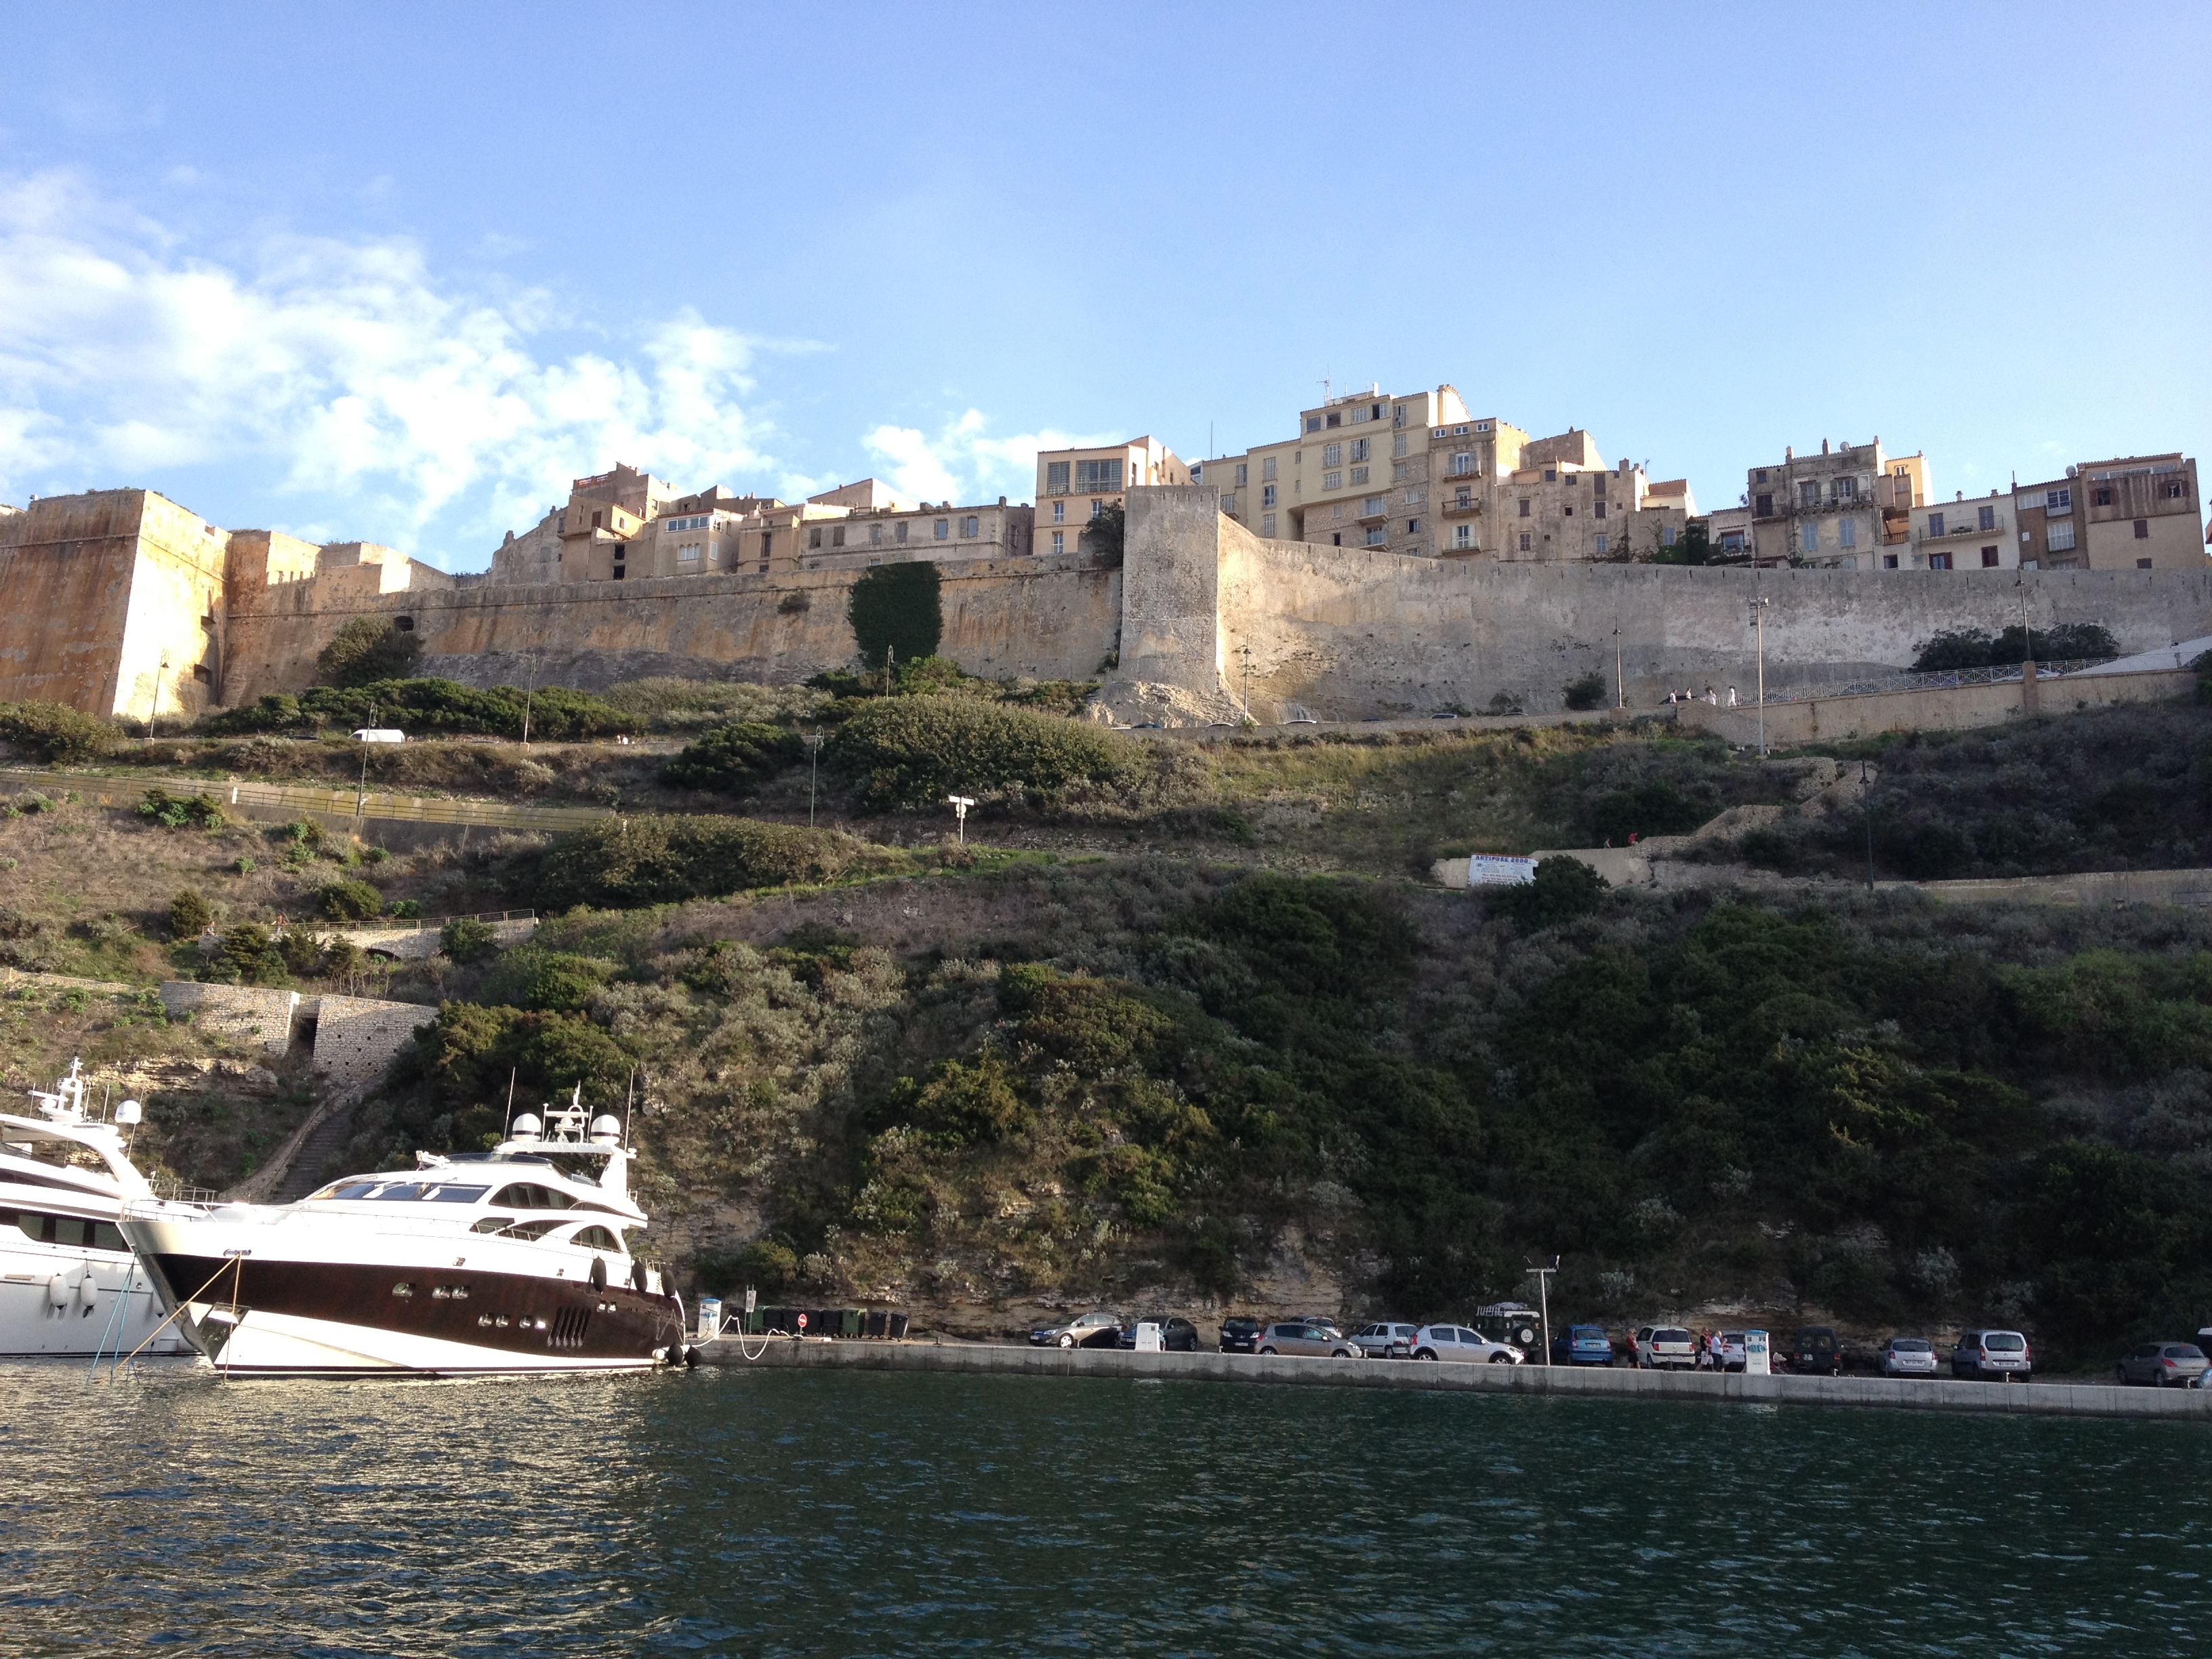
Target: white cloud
{"points": [[347, 368], [962, 463]]}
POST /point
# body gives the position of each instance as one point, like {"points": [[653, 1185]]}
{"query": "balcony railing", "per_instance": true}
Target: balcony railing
{"points": [[1456, 508], [1964, 530]]}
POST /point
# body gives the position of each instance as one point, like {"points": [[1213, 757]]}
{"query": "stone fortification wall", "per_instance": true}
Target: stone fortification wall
{"points": [[1047, 619], [1347, 632], [245, 1012], [356, 1038], [97, 589]]}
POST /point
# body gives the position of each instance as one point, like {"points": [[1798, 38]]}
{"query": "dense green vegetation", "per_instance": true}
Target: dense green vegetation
{"points": [[1968, 647], [656, 860], [734, 758], [555, 712], [368, 649], [53, 731], [912, 752]]}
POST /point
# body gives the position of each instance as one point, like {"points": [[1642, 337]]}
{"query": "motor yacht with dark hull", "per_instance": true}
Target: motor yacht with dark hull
{"points": [[69, 1284], [469, 1265]]}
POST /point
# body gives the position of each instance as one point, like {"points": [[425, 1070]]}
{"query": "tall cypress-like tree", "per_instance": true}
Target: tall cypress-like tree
{"points": [[895, 608]]}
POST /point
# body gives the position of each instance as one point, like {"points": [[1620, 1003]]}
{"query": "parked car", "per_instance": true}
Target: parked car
{"points": [[1093, 1330], [1301, 1336], [1666, 1347], [1906, 1356], [1386, 1340], [1731, 1351], [1992, 1354], [1814, 1350], [1581, 1344], [1240, 1335], [1457, 1342], [1514, 1323], [1325, 1322], [2163, 1365], [1177, 1334]]}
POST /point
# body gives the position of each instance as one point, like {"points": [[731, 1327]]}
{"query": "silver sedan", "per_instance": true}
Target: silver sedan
{"points": [[1907, 1356]]}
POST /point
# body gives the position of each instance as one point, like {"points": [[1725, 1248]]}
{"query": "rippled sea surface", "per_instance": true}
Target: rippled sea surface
{"points": [[781, 1512]]}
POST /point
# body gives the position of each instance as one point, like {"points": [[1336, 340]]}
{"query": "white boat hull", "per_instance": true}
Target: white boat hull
{"points": [[255, 1309], [78, 1305]]}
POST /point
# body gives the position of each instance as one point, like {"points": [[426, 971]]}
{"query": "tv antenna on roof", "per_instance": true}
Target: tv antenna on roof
{"points": [[1325, 388]]}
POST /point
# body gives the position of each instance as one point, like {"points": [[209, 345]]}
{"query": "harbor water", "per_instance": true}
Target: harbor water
{"points": [[760, 1512]]}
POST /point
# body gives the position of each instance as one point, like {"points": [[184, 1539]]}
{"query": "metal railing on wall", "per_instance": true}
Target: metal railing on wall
{"points": [[1935, 679], [107, 790]]}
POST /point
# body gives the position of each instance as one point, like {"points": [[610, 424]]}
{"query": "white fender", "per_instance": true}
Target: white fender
{"points": [[89, 1286], [57, 1291]]}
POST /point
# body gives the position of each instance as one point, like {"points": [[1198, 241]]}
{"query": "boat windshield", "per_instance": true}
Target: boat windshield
{"points": [[435, 1192]]}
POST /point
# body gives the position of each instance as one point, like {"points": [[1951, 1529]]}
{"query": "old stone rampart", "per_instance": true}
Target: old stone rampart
{"points": [[1046, 618], [357, 1037], [246, 1013], [1347, 631]]}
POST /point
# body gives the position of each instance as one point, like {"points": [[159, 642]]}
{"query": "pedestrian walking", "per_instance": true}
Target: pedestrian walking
{"points": [[1731, 696]]}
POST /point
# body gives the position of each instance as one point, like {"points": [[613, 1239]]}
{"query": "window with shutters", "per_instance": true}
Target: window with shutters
{"points": [[1267, 468], [1266, 495], [1098, 475], [2059, 535], [1808, 493], [1462, 464], [1055, 477], [1332, 481], [1524, 507], [1359, 449], [1847, 533], [1666, 535], [1358, 477], [1934, 524], [1243, 474], [1987, 519], [1267, 524], [1525, 541], [2142, 529], [970, 527], [1600, 545]]}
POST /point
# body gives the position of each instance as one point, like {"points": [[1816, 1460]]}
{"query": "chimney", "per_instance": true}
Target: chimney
{"points": [[1789, 453], [1824, 445]]}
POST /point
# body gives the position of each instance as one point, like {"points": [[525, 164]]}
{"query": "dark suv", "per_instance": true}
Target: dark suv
{"points": [[1240, 1335], [1177, 1334], [1814, 1350]]}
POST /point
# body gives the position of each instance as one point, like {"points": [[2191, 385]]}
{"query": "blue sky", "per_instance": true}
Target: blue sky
{"points": [[399, 272]]}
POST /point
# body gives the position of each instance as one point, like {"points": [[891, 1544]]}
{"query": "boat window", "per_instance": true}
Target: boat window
{"points": [[594, 1238], [492, 1223], [71, 1230], [107, 1235], [532, 1228], [401, 1189], [457, 1194], [527, 1195], [349, 1189]]}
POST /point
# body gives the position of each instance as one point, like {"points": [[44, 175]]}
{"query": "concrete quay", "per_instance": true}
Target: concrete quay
{"points": [[2032, 1399]]}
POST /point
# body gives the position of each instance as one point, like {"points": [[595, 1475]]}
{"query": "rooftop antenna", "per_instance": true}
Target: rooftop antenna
{"points": [[1325, 388], [629, 1095], [507, 1133]]}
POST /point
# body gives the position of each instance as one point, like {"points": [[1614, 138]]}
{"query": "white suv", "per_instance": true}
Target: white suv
{"points": [[1385, 1340], [1666, 1347], [1992, 1353], [1457, 1342]]}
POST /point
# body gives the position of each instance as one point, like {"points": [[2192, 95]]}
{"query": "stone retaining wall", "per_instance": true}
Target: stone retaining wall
{"points": [[246, 1013], [2033, 1398], [356, 1038]]}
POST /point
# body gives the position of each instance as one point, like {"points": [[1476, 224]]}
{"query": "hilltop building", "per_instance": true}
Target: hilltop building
{"points": [[1074, 486]]}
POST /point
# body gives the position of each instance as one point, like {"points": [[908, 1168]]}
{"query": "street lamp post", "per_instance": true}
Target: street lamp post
{"points": [[529, 695], [1866, 799], [154, 708], [1543, 1277], [813, 772], [960, 803], [1619, 688]]}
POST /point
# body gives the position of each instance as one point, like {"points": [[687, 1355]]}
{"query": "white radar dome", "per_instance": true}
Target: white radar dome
{"points": [[129, 1111], [525, 1127], [606, 1128]]}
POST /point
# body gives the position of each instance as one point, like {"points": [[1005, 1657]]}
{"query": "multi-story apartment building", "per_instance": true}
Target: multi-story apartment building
{"points": [[1961, 535], [2142, 513], [1356, 474], [1847, 508], [624, 524], [1074, 486]]}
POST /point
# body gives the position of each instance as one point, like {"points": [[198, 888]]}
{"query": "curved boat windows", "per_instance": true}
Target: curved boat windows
{"points": [[532, 1228], [594, 1238], [401, 1189], [46, 1229], [347, 1189], [528, 1195], [456, 1194], [492, 1223]]}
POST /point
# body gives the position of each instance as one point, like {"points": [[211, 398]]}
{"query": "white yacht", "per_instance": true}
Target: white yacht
{"points": [[471, 1264], [69, 1284]]}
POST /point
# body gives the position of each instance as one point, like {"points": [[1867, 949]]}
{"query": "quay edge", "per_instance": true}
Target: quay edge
{"points": [[2032, 1399]]}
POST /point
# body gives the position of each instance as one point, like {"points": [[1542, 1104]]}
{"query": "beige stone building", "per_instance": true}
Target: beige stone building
{"points": [[1074, 486], [1847, 508], [1962, 534], [2142, 513], [625, 525]]}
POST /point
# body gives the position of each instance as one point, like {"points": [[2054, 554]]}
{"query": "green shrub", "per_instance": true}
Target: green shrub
{"points": [[303, 952], [54, 731], [304, 835], [200, 811], [1656, 806], [552, 982], [1586, 691], [464, 939], [895, 613], [248, 952], [623, 863], [189, 915], [1563, 889], [911, 752], [734, 758], [1970, 648], [366, 649], [349, 901]]}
